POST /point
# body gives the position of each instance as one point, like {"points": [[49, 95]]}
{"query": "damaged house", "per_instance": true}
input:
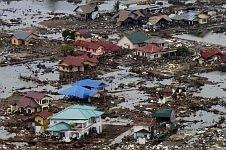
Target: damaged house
{"points": [[161, 42], [143, 130], [75, 122], [83, 34], [127, 18], [185, 18], [86, 12], [211, 54], [158, 22]]}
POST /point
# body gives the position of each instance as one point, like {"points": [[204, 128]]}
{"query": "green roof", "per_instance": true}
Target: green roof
{"points": [[162, 113], [137, 37], [62, 126], [77, 112]]}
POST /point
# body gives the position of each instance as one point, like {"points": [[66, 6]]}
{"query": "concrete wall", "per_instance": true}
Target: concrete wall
{"points": [[126, 43]]}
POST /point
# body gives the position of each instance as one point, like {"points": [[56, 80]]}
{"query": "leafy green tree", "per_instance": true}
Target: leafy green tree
{"points": [[66, 34], [67, 49], [183, 51]]}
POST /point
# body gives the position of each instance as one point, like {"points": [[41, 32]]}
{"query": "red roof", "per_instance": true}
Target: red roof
{"points": [[35, 95], [209, 53], [78, 60], [108, 46], [44, 114], [86, 44], [150, 48], [27, 102], [31, 99], [223, 57]]}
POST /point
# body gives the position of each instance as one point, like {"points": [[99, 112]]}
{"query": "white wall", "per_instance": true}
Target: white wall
{"points": [[126, 43]]}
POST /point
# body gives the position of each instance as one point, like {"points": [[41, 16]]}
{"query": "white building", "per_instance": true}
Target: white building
{"points": [[75, 122]]}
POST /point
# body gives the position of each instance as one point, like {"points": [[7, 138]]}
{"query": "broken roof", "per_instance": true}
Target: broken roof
{"points": [[86, 9], [150, 48], [209, 53], [155, 19], [138, 37], [84, 32], [123, 15], [155, 40], [90, 45], [189, 15]]}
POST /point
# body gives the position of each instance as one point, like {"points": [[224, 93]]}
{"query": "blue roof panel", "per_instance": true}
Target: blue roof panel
{"points": [[91, 83], [77, 91]]}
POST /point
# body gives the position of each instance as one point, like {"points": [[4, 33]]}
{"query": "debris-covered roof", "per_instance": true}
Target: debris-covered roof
{"points": [[86, 9], [209, 53], [150, 48], [123, 15], [155, 19], [155, 40], [86, 44], [85, 33]]}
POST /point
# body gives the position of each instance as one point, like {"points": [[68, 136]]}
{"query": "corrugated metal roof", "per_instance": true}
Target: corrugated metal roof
{"points": [[162, 113], [77, 112], [155, 40], [22, 35]]}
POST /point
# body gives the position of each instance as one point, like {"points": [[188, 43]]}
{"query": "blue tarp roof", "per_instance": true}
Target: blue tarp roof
{"points": [[91, 83], [76, 112], [77, 91]]}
